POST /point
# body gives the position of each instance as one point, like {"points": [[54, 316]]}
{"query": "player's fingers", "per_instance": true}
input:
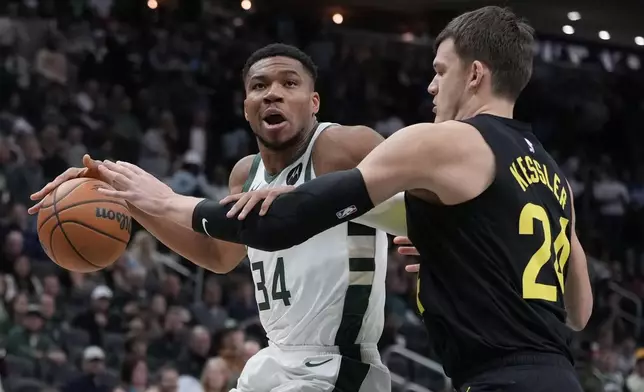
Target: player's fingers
{"points": [[266, 204], [231, 198], [248, 207], [239, 205], [68, 174], [412, 268], [35, 208], [401, 240], [114, 193], [114, 178], [90, 163], [408, 251], [132, 167], [118, 169]]}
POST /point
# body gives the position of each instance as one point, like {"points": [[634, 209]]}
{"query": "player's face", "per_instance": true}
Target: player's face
{"points": [[449, 86], [280, 101]]}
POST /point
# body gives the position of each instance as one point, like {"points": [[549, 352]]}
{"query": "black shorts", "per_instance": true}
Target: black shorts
{"points": [[531, 373]]}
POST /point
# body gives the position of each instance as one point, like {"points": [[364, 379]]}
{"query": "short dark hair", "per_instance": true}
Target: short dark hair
{"points": [[498, 38], [281, 50]]}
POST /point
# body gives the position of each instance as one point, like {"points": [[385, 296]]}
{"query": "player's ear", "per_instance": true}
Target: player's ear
{"points": [[477, 71], [315, 102], [245, 112]]}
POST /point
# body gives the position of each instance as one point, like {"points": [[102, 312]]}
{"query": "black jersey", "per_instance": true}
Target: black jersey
{"points": [[493, 269]]}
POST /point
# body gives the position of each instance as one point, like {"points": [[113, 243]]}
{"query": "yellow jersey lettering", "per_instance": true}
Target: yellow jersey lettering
{"points": [[517, 176], [528, 171], [534, 177]]}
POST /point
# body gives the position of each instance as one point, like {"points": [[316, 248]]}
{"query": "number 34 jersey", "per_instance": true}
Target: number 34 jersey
{"points": [[492, 274], [327, 291]]}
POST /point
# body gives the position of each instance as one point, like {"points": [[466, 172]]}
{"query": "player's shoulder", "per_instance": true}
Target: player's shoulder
{"points": [[342, 147], [241, 172], [448, 138]]}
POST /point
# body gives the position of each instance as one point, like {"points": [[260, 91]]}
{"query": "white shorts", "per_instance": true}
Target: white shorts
{"points": [[313, 369]]}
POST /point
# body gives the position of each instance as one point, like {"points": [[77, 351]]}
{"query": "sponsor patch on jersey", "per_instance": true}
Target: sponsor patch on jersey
{"points": [[346, 212], [294, 175]]}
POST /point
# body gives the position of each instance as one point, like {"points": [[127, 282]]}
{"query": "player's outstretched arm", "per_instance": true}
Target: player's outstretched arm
{"points": [[578, 297], [330, 199]]}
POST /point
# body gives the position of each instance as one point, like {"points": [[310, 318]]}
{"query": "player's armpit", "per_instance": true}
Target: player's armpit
{"points": [[390, 216], [293, 218]]}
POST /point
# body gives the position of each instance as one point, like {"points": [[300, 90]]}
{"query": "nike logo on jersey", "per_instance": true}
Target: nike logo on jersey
{"points": [[530, 146], [203, 223], [316, 364]]}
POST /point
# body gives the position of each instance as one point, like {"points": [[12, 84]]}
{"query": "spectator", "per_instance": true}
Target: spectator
{"points": [[22, 279], [635, 382], [210, 312], [29, 341], [215, 376], [194, 356], [51, 63], [168, 381], [134, 375], [168, 346], [243, 305], [230, 347], [97, 319], [93, 368], [613, 198]]}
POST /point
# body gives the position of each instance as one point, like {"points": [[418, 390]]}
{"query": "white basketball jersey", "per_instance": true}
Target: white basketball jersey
{"points": [[327, 291]]}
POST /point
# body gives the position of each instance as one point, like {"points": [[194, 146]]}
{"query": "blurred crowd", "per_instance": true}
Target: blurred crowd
{"points": [[164, 91]]}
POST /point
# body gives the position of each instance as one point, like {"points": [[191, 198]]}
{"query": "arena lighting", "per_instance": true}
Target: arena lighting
{"points": [[246, 4], [574, 16], [568, 29], [152, 4], [604, 35], [408, 37], [639, 41], [337, 18]]}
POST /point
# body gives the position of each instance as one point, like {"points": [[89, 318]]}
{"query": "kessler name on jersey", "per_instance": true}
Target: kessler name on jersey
{"points": [[528, 171]]}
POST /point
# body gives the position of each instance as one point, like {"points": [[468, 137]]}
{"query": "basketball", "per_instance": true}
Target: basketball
{"points": [[81, 229]]}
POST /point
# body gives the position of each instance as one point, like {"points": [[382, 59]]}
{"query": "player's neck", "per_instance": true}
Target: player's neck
{"points": [[275, 161], [494, 106]]}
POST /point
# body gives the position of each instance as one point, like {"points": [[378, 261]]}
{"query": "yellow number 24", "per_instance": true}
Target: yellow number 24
{"points": [[530, 214]]}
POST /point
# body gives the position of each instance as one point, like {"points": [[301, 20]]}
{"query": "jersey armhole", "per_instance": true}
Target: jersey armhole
{"points": [[251, 173]]}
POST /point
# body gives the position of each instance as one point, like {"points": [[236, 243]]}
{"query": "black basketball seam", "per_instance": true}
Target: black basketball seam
{"points": [[81, 203], [65, 234], [70, 191], [92, 228]]}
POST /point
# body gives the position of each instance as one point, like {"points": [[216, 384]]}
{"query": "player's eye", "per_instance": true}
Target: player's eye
{"points": [[257, 86], [290, 83]]}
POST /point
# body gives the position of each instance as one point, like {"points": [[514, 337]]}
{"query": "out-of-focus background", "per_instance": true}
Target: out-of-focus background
{"points": [[158, 83]]}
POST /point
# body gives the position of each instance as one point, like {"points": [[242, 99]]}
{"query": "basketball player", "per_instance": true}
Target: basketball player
{"points": [[321, 302], [503, 278]]}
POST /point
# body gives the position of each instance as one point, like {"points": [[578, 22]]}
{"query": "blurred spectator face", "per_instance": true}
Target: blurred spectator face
{"points": [[20, 304], [32, 150], [33, 322], [200, 341], [172, 285], [608, 362], [283, 84], [169, 381], [136, 277], [251, 348], [140, 348], [234, 344], [93, 360], [22, 267], [14, 244], [215, 375], [50, 135], [137, 326], [140, 374], [47, 306], [19, 215], [51, 285], [173, 321], [212, 294], [101, 298], [159, 305]]}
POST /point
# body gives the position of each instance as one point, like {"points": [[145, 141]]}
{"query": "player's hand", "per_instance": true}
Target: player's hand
{"points": [[247, 200], [408, 249], [90, 170], [136, 186]]}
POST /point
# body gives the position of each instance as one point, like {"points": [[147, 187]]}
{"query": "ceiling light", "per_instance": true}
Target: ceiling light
{"points": [[639, 41], [574, 15], [604, 35], [568, 29]]}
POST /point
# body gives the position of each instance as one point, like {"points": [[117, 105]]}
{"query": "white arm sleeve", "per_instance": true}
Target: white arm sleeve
{"points": [[390, 216]]}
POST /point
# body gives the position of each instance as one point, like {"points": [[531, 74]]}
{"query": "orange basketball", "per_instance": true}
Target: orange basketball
{"points": [[81, 229]]}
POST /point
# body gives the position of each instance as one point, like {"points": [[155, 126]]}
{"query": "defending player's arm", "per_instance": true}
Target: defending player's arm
{"points": [[344, 148], [578, 297], [337, 197]]}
